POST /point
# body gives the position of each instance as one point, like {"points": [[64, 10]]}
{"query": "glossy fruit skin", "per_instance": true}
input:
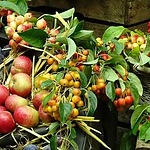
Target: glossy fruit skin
{"points": [[14, 101], [2, 108], [118, 91], [121, 102], [45, 117], [128, 100], [20, 84], [21, 64], [7, 123], [4, 93], [38, 97], [26, 116]]}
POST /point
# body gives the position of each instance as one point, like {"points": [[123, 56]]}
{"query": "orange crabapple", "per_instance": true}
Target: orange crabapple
{"points": [[76, 84], [64, 82], [121, 102], [80, 104], [75, 99], [118, 91], [52, 102], [74, 113], [50, 61], [71, 83], [68, 76], [76, 91], [85, 52]]}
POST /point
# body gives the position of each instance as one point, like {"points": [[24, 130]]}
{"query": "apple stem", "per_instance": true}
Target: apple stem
{"points": [[34, 133]]}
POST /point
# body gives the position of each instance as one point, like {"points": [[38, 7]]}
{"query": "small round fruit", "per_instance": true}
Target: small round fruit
{"points": [[76, 84], [128, 100], [75, 113], [76, 91], [64, 82], [76, 99], [121, 102], [118, 91]]}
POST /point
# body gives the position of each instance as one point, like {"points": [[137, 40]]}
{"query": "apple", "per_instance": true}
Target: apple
{"points": [[7, 123], [2, 108], [21, 64], [45, 117], [28, 16], [4, 93], [10, 18], [14, 101], [38, 97], [20, 84], [140, 40], [9, 31], [16, 37], [19, 20], [41, 24], [26, 116]]}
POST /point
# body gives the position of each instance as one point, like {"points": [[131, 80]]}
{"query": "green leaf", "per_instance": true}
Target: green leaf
{"points": [[119, 47], [22, 4], [120, 70], [92, 103], [53, 142], [49, 97], [127, 141], [110, 90], [83, 79], [71, 48], [144, 133], [113, 32], [59, 76], [136, 82], [117, 59], [109, 74], [73, 133], [90, 62], [53, 127], [88, 71], [83, 35], [10, 6], [73, 144], [144, 59], [35, 37], [46, 83], [135, 94], [68, 13], [137, 114], [122, 85], [75, 28], [64, 110]]}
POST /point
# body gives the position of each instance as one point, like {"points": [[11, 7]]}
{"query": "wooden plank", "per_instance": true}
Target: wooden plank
{"points": [[124, 12]]}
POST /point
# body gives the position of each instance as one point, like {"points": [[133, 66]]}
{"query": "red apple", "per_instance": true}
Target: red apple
{"points": [[38, 97], [14, 101], [26, 116], [45, 117], [2, 108], [7, 123], [21, 64], [20, 84], [4, 93]]}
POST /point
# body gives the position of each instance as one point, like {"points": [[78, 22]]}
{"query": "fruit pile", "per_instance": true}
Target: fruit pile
{"points": [[58, 74]]}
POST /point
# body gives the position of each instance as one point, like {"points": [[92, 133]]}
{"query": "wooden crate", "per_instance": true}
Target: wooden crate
{"points": [[124, 12]]}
